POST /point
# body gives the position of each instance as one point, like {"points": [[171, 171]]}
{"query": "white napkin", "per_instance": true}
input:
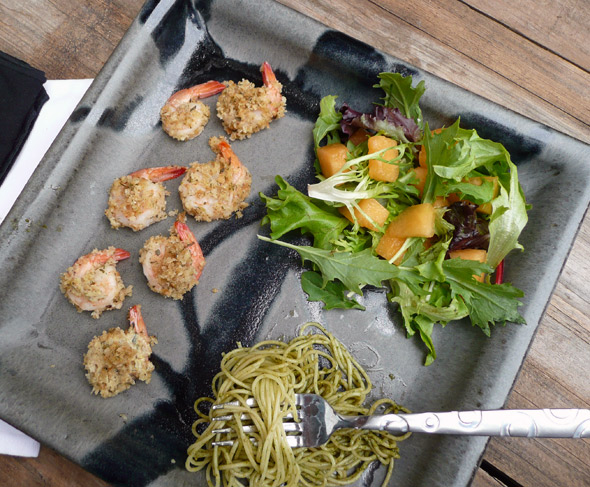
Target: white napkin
{"points": [[64, 96]]}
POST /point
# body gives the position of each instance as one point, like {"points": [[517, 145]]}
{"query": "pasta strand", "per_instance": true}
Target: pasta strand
{"points": [[272, 372]]}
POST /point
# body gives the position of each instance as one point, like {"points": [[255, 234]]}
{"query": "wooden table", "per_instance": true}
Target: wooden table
{"points": [[532, 57]]}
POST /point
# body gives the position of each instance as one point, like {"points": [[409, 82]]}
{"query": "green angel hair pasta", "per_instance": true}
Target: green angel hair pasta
{"points": [[272, 372]]}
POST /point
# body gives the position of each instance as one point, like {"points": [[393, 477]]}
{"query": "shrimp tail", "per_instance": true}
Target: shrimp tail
{"points": [[96, 257], [197, 92], [207, 89], [268, 75], [185, 234], [159, 174], [120, 254], [228, 154], [273, 90], [136, 320]]}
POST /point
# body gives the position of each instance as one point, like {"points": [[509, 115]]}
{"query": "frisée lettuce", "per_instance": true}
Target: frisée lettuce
{"points": [[427, 214]]}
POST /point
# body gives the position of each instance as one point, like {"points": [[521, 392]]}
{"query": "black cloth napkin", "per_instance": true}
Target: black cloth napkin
{"points": [[21, 97]]}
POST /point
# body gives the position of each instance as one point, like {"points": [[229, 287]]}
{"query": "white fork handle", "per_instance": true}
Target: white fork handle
{"points": [[531, 423]]}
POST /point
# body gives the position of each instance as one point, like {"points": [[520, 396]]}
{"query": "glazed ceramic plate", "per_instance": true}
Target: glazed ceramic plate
{"points": [[140, 437]]}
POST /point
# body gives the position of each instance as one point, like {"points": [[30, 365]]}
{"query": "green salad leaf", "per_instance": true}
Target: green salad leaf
{"points": [[328, 122], [333, 294], [400, 94], [354, 269], [487, 303], [292, 210]]}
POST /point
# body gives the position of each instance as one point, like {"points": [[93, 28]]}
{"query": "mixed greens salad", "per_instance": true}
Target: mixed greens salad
{"points": [[430, 215]]}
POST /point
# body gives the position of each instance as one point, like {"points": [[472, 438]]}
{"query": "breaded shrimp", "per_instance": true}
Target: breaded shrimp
{"points": [[93, 283], [245, 109], [117, 358], [216, 189], [139, 199], [172, 265], [184, 116]]}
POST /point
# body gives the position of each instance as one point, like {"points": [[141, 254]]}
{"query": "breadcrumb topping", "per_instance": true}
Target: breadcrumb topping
{"points": [[92, 286], [245, 109], [169, 265], [185, 121], [117, 359], [217, 189], [136, 203]]}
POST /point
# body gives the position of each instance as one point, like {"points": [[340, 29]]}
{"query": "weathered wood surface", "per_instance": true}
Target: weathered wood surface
{"points": [[532, 57]]}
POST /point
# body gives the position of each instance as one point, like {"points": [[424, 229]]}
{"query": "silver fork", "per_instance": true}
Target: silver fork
{"points": [[318, 420]]}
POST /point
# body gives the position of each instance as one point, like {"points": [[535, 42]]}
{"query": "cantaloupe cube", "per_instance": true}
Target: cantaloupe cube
{"points": [[414, 221], [422, 157], [388, 246], [331, 158], [379, 170], [359, 136], [374, 210], [421, 173], [453, 198], [440, 202], [477, 181], [470, 254]]}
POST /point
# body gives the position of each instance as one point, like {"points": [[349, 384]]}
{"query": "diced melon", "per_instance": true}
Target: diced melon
{"points": [[331, 157], [477, 181], [453, 198], [359, 136], [373, 210], [379, 170], [414, 221], [388, 246], [440, 202], [421, 173], [422, 157], [470, 254]]}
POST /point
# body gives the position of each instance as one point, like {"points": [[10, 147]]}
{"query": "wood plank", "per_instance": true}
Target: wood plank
{"points": [[451, 40], [541, 468], [484, 479], [49, 469], [558, 29], [17, 16], [62, 38]]}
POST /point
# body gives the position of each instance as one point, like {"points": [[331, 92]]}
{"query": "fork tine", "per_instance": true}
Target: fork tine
{"points": [[293, 427], [229, 417], [295, 441], [249, 402], [249, 428], [222, 443], [245, 416]]}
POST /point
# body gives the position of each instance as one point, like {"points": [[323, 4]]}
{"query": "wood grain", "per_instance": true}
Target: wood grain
{"points": [[563, 31], [49, 469], [62, 38], [531, 56], [450, 39]]}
